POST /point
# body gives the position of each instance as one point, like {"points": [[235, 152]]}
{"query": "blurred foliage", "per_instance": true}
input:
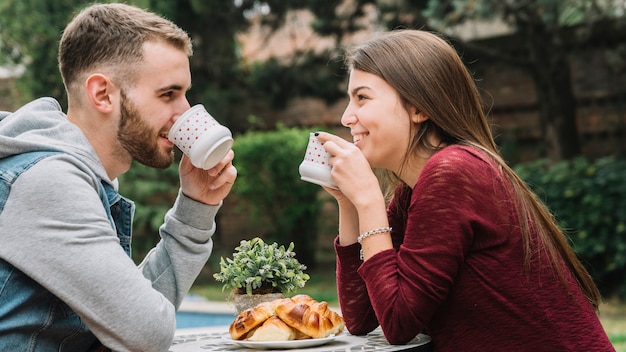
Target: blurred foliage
{"points": [[269, 184], [589, 201], [29, 34], [311, 76]]}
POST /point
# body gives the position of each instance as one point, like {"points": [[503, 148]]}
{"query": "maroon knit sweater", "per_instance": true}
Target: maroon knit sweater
{"points": [[457, 272]]}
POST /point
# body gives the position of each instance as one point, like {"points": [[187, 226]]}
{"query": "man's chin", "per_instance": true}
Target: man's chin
{"points": [[163, 166], [162, 161]]}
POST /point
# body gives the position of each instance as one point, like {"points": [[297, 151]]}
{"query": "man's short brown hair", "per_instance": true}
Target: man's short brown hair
{"points": [[110, 37]]}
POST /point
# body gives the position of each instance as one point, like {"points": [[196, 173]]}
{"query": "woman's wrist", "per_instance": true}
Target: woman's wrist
{"points": [[374, 206], [348, 223], [369, 233], [368, 197]]}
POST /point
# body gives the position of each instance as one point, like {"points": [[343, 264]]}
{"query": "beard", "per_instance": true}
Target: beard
{"points": [[139, 139]]}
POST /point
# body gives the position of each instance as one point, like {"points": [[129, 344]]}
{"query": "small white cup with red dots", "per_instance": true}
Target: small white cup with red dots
{"points": [[315, 167], [197, 134]]}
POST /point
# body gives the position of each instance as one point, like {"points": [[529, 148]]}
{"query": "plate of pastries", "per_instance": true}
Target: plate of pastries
{"points": [[295, 322]]}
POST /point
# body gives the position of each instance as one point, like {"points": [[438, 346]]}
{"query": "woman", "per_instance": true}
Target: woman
{"points": [[464, 250]]}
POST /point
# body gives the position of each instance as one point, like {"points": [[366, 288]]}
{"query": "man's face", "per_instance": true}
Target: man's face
{"points": [[150, 107], [140, 139]]}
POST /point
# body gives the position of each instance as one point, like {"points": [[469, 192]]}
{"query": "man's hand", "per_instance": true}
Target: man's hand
{"points": [[208, 186]]}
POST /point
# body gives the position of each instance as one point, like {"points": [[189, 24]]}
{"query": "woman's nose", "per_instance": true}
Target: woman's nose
{"points": [[348, 118]]}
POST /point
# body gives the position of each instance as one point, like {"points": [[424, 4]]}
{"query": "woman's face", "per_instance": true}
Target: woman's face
{"points": [[378, 122]]}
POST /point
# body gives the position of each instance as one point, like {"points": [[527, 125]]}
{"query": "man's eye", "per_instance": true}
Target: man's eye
{"points": [[167, 94]]}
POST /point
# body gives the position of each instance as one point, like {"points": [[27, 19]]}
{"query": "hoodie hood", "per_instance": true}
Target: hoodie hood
{"points": [[41, 125]]}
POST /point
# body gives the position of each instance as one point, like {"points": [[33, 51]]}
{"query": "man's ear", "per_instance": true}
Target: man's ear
{"points": [[100, 92]]}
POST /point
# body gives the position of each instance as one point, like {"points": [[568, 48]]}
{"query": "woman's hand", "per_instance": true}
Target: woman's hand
{"points": [[361, 202], [350, 170]]}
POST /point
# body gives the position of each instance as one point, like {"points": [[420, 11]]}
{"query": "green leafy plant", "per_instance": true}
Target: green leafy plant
{"points": [[258, 267], [587, 198]]}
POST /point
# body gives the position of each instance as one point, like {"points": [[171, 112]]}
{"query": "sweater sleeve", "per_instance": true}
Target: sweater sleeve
{"points": [[353, 296], [408, 286], [185, 246]]}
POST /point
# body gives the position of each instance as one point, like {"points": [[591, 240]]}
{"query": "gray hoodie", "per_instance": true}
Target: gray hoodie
{"points": [[54, 228]]}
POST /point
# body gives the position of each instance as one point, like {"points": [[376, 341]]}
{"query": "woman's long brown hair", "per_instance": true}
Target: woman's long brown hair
{"points": [[429, 75]]}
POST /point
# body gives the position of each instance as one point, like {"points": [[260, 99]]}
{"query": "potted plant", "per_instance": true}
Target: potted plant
{"points": [[260, 272]]}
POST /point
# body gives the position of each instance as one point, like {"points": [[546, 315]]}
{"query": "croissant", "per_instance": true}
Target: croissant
{"points": [[305, 299], [250, 319], [314, 319], [273, 329]]}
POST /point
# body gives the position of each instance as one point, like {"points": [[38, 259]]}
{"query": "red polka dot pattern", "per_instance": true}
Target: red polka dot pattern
{"points": [[191, 129], [316, 153]]}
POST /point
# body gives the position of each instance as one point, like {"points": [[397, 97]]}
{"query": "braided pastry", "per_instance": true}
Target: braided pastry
{"points": [[314, 319]]}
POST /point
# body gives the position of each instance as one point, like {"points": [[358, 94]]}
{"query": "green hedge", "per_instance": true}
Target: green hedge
{"points": [[269, 183], [589, 201]]}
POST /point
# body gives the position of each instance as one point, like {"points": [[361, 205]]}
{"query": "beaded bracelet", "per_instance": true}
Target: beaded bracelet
{"points": [[373, 232], [370, 233]]}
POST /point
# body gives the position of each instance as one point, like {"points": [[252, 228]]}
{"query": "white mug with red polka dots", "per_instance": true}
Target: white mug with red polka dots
{"points": [[197, 134], [315, 168]]}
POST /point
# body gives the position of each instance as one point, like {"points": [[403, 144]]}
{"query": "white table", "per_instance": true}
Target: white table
{"points": [[217, 339]]}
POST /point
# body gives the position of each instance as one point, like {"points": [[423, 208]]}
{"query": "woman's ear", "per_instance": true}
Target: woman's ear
{"points": [[100, 90], [418, 117]]}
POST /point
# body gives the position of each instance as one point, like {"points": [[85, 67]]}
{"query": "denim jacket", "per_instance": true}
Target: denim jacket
{"points": [[31, 317]]}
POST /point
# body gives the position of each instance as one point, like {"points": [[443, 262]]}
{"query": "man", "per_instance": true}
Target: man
{"points": [[67, 282]]}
